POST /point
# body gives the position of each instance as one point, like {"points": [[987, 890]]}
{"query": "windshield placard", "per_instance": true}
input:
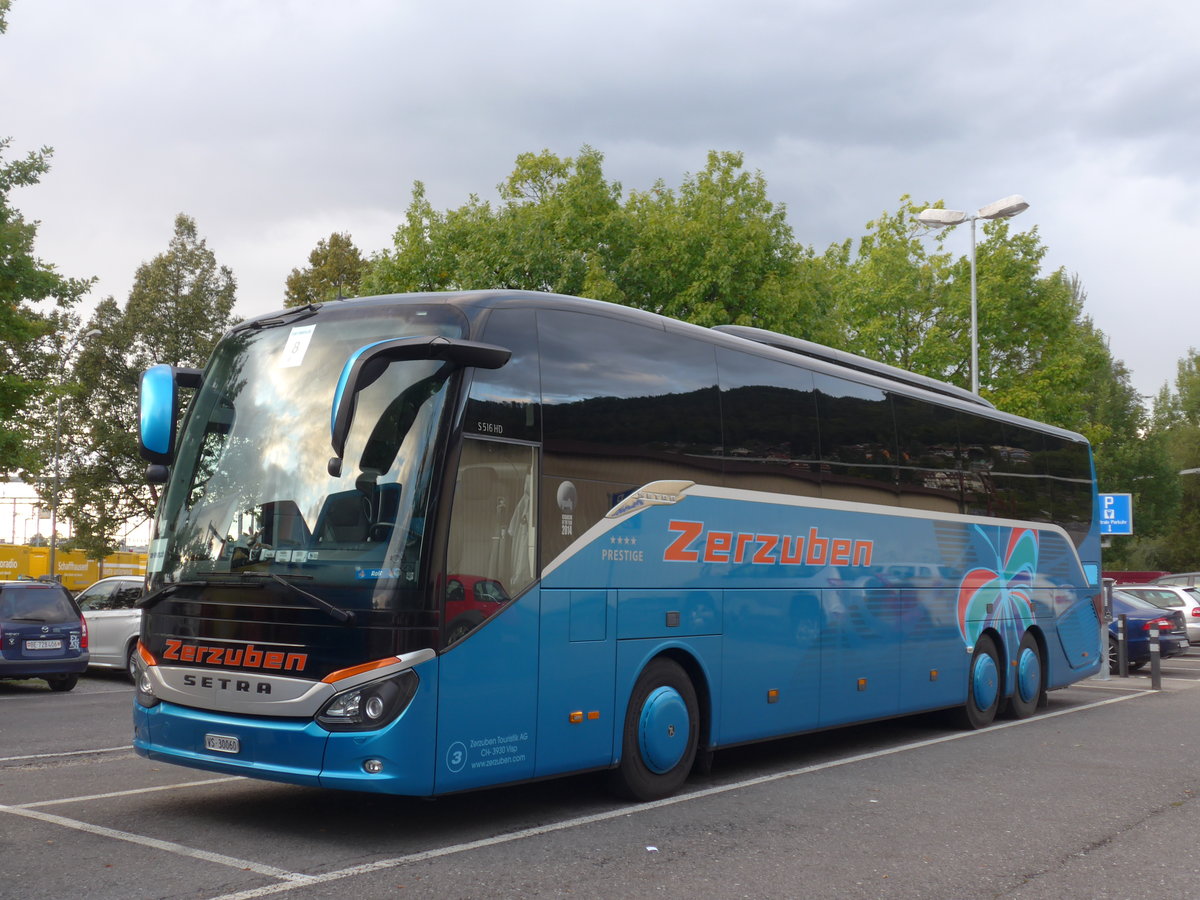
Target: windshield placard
{"points": [[296, 346]]}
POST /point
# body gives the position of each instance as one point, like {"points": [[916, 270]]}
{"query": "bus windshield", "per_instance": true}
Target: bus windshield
{"points": [[252, 496]]}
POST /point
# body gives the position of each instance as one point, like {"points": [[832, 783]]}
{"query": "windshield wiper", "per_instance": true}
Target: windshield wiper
{"points": [[345, 616], [287, 318], [164, 592], [255, 580]]}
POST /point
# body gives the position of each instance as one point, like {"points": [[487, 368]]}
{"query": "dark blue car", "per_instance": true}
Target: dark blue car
{"points": [[1141, 616], [42, 634]]}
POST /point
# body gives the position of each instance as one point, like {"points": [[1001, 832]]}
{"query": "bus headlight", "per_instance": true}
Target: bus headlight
{"points": [[370, 706], [143, 687]]}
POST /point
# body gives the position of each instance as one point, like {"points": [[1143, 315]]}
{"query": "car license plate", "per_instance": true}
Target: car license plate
{"points": [[222, 743], [43, 645]]}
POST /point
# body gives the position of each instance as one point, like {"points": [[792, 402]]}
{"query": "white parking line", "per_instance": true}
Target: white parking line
{"points": [[62, 753], [291, 880], [43, 694], [143, 790], [169, 846]]}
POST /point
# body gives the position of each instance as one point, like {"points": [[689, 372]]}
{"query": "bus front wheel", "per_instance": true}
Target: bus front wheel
{"points": [[662, 728]]}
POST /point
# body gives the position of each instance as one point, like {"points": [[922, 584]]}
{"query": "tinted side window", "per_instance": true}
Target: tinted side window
{"points": [[1069, 469], [930, 470], [1021, 474], [506, 402], [770, 415], [98, 596], [625, 402], [858, 441], [126, 595], [982, 443]]}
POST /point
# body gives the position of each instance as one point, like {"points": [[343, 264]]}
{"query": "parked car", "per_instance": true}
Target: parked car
{"points": [[470, 600], [113, 621], [1171, 596], [1187, 579], [1140, 617], [42, 634]]}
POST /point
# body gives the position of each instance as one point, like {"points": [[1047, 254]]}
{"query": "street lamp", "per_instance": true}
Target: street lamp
{"points": [[942, 218], [57, 441]]}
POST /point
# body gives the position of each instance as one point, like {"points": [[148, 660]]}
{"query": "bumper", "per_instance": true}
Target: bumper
{"points": [[1168, 646], [36, 668], [294, 751], [1173, 646]]}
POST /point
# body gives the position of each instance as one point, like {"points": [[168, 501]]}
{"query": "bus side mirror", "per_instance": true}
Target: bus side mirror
{"points": [[367, 363], [158, 402]]}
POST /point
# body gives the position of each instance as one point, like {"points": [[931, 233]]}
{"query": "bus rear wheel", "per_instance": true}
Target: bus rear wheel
{"points": [[1028, 687], [662, 728], [984, 684]]}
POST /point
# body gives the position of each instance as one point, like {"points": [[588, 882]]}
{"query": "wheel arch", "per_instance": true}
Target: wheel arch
{"points": [[695, 669]]}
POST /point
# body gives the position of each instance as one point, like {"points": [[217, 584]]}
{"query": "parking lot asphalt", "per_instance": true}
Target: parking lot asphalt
{"points": [[1096, 797]]}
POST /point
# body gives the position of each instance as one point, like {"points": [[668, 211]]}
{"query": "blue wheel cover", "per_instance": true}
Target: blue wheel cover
{"points": [[663, 729], [1029, 675], [985, 684]]}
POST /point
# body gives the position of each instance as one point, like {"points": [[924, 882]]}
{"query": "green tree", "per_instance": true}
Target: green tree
{"points": [[180, 305], [34, 315], [1175, 425], [896, 301], [716, 250], [556, 226], [1130, 458], [335, 269]]}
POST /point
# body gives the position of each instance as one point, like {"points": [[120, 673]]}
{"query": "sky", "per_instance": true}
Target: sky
{"points": [[276, 123]]}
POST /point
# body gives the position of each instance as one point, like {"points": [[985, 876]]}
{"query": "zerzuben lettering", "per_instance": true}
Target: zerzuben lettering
{"points": [[695, 543], [248, 657]]}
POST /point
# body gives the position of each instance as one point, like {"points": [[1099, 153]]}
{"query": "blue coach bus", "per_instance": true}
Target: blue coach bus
{"points": [[427, 543]]}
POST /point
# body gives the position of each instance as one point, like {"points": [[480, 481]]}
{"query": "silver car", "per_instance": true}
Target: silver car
{"points": [[113, 622], [1171, 596]]}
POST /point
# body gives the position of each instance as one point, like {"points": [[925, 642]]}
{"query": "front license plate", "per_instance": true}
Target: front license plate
{"points": [[222, 743], [43, 645]]}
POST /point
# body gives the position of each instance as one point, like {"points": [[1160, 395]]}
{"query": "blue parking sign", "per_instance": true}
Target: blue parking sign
{"points": [[1116, 514]]}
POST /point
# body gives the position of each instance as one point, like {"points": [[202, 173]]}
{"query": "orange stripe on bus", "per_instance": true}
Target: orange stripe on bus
{"points": [[358, 670]]}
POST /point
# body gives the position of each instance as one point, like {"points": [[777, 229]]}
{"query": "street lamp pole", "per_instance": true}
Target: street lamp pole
{"points": [[57, 442], [943, 218]]}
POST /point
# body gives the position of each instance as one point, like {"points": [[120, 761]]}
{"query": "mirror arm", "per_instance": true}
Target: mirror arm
{"points": [[458, 352]]}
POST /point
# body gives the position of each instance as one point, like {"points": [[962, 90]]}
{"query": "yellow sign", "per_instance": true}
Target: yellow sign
{"points": [[72, 567]]}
